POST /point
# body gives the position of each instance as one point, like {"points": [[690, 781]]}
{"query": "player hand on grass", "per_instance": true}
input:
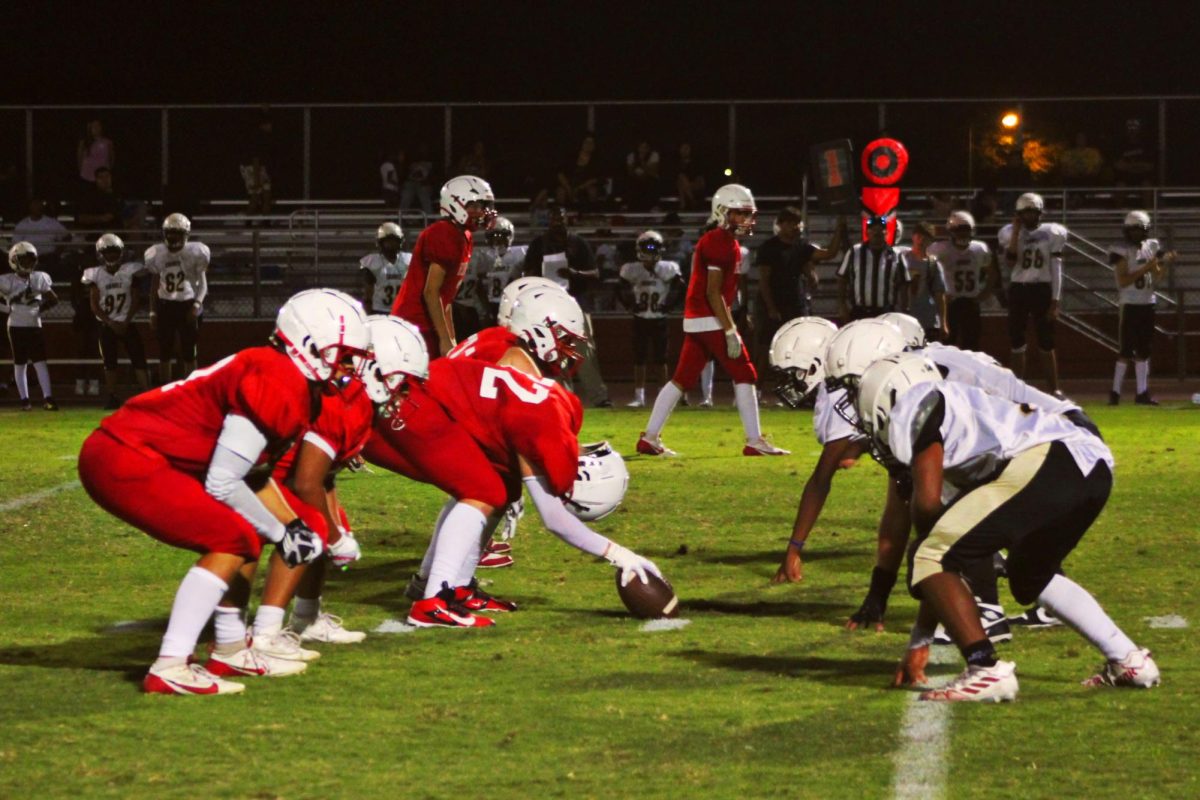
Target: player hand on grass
{"points": [[869, 614], [345, 551], [792, 568], [911, 670], [630, 564]]}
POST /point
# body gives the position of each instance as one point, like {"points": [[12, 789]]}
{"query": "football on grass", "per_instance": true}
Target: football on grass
{"points": [[648, 600]]}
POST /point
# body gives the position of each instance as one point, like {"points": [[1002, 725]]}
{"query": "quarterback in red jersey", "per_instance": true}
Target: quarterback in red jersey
{"points": [[708, 328], [173, 462], [478, 431], [439, 261]]}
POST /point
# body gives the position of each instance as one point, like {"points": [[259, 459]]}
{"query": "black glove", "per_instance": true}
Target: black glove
{"points": [[300, 544], [870, 612]]}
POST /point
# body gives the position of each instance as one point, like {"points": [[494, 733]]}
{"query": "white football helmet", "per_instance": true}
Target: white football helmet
{"points": [[176, 229], [883, 383], [322, 328], [110, 248], [798, 353], [389, 229], [22, 257], [509, 295], [1137, 219], [551, 325], [398, 353], [455, 195], [733, 197], [855, 347], [501, 234], [600, 482], [1031, 201], [914, 334], [650, 247], [959, 220]]}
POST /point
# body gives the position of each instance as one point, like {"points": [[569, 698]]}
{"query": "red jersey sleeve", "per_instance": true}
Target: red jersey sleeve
{"points": [[549, 440], [443, 243], [275, 397]]}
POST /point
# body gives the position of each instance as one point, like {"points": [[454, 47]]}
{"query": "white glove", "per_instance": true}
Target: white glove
{"points": [[345, 551], [300, 544], [733, 343], [512, 515], [630, 563]]}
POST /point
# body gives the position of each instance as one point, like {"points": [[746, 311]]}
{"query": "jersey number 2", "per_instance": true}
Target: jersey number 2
{"points": [[489, 388]]}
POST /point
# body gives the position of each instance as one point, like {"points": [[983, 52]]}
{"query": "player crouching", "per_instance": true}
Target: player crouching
{"points": [[1026, 480]]}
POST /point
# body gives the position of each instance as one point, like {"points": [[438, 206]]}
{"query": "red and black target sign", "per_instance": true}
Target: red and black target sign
{"points": [[884, 161]]}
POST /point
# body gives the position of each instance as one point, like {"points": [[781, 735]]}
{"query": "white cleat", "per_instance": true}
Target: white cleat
{"points": [[328, 628], [283, 644], [187, 679], [996, 684], [1136, 670], [762, 447], [706, 403], [636, 404], [249, 662]]}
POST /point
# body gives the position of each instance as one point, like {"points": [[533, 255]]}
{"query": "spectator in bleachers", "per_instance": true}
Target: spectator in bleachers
{"points": [[95, 151], [642, 186], [258, 186], [1138, 161], [568, 260], [1081, 163], [417, 190], [689, 179], [927, 284], [44, 232], [389, 181], [581, 182], [475, 162], [99, 205]]}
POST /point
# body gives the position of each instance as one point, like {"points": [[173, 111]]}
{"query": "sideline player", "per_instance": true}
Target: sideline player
{"points": [[173, 462], [177, 291], [383, 271], [971, 278], [1026, 480], [439, 261], [1138, 263], [114, 301], [1034, 252], [708, 329], [650, 286], [504, 262], [25, 293]]}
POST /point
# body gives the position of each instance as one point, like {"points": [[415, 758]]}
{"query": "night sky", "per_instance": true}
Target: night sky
{"points": [[179, 52]]}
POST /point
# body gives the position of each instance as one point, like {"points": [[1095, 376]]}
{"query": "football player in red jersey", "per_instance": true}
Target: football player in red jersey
{"points": [[173, 462], [439, 261], [708, 327], [478, 431]]}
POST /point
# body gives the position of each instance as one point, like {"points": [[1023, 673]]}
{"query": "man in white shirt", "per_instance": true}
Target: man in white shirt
{"points": [[43, 232]]}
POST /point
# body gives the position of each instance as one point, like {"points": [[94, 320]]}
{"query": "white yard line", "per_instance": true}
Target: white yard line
{"points": [[921, 763], [35, 497], [1169, 621]]}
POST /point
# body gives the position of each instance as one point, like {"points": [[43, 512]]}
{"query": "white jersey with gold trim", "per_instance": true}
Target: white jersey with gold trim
{"points": [[178, 272], [1141, 291], [1036, 249], [23, 298], [116, 288], [966, 268], [650, 286], [388, 277]]}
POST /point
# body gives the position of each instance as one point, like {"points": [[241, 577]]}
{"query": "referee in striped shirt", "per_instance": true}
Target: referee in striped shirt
{"points": [[872, 276]]}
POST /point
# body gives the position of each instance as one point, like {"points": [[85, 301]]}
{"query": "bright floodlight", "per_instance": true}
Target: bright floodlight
{"points": [[1010, 120], [728, 172]]}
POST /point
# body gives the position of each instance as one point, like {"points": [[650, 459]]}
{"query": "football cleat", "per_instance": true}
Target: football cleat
{"points": [[1114, 398], [636, 404], [495, 560], [995, 684], [994, 623], [499, 547], [435, 613], [284, 644], [653, 446], [706, 403], [327, 628], [50, 405], [473, 598], [762, 447], [1000, 564], [1144, 399], [187, 679], [252, 663], [26, 405], [1036, 617], [1135, 670]]}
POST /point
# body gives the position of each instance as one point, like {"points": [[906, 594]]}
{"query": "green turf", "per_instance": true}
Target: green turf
{"points": [[763, 695]]}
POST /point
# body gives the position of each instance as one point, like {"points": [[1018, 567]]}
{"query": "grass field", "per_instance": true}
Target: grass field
{"points": [[762, 695]]}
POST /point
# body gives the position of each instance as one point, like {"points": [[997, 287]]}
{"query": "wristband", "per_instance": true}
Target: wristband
{"points": [[919, 638], [799, 545]]}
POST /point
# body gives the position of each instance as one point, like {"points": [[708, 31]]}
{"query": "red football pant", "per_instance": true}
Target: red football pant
{"points": [[141, 487], [698, 348]]}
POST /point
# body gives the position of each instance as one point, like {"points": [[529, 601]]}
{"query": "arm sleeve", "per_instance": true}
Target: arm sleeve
{"points": [[1056, 277], [844, 269], [238, 448], [563, 523]]}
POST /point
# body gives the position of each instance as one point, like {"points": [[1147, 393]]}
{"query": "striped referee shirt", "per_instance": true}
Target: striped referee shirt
{"points": [[873, 279]]}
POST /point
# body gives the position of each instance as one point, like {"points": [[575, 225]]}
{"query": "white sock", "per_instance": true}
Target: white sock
{"points": [[1075, 606], [466, 570], [306, 608], [459, 536], [268, 620], [747, 406], [639, 394], [1141, 371], [427, 560], [1119, 376], [706, 381], [22, 380], [229, 626], [195, 602], [664, 404], [43, 373]]}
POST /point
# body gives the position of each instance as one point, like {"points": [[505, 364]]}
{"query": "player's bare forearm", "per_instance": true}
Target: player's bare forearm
{"points": [[721, 311], [927, 488], [308, 482]]}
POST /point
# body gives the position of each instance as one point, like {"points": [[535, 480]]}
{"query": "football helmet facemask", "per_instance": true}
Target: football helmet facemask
{"points": [[650, 247], [500, 235], [389, 238], [22, 257], [321, 330], [882, 384], [551, 325], [109, 249], [1029, 208], [961, 226], [1137, 227], [456, 198], [398, 353], [798, 355], [734, 197], [176, 229]]}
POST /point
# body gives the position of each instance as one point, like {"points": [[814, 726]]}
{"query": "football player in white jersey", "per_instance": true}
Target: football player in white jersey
{"points": [[1138, 263], [971, 278], [24, 294], [1034, 252], [649, 287], [1020, 478], [503, 263], [383, 271], [177, 291], [114, 301]]}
